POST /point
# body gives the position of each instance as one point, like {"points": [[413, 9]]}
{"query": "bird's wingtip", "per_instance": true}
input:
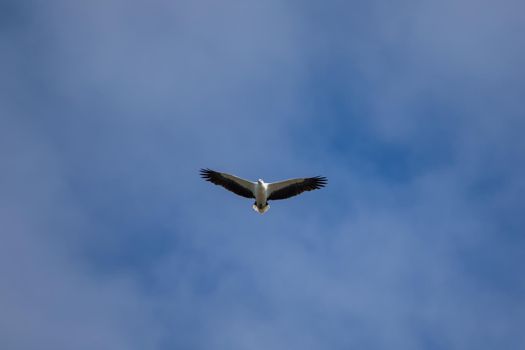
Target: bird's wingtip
{"points": [[206, 173]]}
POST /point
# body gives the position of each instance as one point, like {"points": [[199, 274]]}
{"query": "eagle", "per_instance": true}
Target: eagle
{"points": [[263, 192]]}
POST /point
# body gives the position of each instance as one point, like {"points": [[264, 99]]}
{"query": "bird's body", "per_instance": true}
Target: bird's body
{"points": [[263, 192], [261, 197]]}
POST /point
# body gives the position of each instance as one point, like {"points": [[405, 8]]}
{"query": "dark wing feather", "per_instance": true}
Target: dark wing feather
{"points": [[298, 186], [229, 184]]}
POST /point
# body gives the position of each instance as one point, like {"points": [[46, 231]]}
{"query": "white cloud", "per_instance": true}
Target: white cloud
{"points": [[124, 102]]}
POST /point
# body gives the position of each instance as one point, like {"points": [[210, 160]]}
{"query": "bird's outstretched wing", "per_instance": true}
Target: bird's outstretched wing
{"points": [[232, 183], [293, 187]]}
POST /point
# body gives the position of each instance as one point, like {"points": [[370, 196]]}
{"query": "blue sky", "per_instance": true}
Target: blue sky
{"points": [[414, 110]]}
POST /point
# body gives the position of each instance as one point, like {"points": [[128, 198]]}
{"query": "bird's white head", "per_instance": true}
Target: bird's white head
{"points": [[260, 181]]}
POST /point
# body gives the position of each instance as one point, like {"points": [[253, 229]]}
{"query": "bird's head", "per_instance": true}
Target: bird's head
{"points": [[260, 181]]}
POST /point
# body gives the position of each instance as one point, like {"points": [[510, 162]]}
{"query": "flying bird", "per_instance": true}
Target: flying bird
{"points": [[263, 192]]}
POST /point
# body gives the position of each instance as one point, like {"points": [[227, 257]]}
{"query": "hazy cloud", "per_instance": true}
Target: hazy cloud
{"points": [[110, 240]]}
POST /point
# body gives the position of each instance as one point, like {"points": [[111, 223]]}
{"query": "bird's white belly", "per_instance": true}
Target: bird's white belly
{"points": [[260, 195]]}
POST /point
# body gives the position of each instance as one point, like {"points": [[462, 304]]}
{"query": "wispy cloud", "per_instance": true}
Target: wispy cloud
{"points": [[413, 111]]}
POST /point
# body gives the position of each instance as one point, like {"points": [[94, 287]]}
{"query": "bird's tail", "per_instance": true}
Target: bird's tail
{"points": [[261, 210]]}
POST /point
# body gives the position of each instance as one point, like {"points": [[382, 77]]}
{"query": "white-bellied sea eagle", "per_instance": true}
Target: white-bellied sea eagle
{"points": [[263, 192]]}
